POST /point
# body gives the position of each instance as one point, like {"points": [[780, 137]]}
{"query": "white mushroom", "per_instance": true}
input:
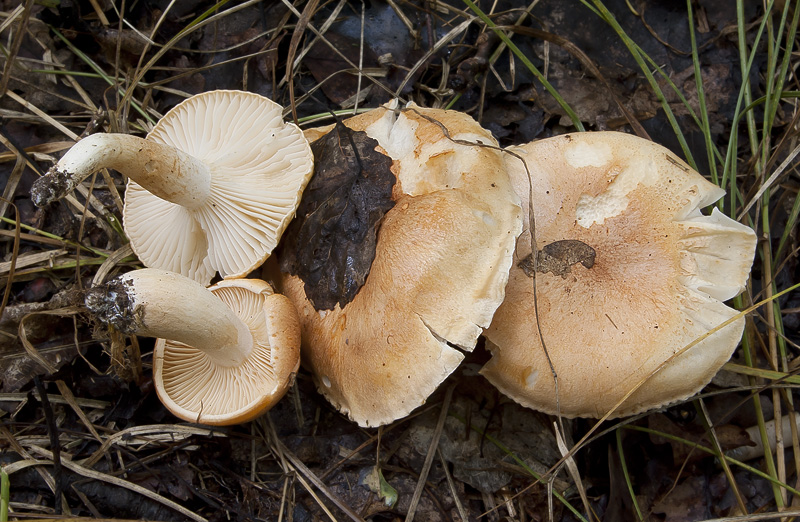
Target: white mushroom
{"points": [[225, 354], [211, 188]]}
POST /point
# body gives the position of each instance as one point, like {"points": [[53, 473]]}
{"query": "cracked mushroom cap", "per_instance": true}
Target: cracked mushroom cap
{"points": [[656, 281], [224, 354], [258, 167], [441, 264]]}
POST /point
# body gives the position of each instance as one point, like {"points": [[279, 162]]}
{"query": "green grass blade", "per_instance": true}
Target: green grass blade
{"points": [[627, 476], [99, 71], [791, 224], [502, 447], [761, 373], [704, 449], [5, 494], [531, 67], [705, 126], [194, 24], [638, 55], [57, 238]]}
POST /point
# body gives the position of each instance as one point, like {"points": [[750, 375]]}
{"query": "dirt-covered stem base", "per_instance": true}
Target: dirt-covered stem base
{"points": [[157, 303]]}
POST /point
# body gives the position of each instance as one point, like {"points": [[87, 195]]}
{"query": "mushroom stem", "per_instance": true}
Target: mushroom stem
{"points": [[157, 303], [146, 162]]}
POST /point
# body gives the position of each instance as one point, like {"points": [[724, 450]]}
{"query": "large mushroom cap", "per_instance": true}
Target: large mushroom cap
{"points": [[441, 264], [259, 166], [661, 271]]}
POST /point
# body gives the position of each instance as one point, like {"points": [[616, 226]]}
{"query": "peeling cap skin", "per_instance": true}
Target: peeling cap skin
{"points": [[661, 271], [440, 268], [211, 189], [225, 354]]}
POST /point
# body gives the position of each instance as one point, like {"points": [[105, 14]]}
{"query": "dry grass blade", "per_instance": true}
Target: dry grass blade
{"points": [[23, 336], [300, 28], [99, 12], [319, 36], [149, 434], [572, 467], [43, 149], [13, 179], [81, 519], [588, 64], [769, 182], [657, 36], [456, 497], [15, 45], [22, 452], [10, 17], [111, 262], [96, 475], [26, 260], [304, 471], [41, 114], [12, 263], [718, 448], [67, 395], [754, 517], [438, 46], [426, 467], [334, 49], [56, 399], [402, 16], [316, 498]]}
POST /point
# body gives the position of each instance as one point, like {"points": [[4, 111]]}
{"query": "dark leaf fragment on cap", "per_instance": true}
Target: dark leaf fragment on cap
{"points": [[331, 243], [558, 257]]}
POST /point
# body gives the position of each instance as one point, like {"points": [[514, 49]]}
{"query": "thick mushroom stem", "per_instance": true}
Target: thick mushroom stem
{"points": [[157, 303], [146, 162]]}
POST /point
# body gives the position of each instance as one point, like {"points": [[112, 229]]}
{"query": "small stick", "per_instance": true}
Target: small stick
{"points": [[55, 444]]}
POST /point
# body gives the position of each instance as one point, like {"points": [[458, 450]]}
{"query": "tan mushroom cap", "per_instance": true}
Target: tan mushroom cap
{"points": [[258, 166], [195, 389], [661, 272], [440, 268]]}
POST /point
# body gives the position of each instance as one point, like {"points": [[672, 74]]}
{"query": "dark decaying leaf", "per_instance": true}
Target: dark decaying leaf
{"points": [[558, 257], [330, 245]]}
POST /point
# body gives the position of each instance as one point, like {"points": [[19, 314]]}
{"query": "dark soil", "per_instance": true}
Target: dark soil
{"points": [[74, 388]]}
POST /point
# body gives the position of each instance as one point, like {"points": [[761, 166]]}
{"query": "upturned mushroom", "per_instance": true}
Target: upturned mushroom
{"points": [[211, 188], [225, 354], [628, 271], [442, 252]]}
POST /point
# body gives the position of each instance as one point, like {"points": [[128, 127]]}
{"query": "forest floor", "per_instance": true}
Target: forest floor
{"points": [[82, 433]]}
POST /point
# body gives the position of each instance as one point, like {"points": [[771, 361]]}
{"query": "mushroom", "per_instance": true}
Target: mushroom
{"points": [[440, 267], [628, 273], [211, 188], [225, 354]]}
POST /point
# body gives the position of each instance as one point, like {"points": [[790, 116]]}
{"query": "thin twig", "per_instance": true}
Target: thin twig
{"points": [[307, 473], [55, 443], [16, 43], [426, 467], [90, 473]]}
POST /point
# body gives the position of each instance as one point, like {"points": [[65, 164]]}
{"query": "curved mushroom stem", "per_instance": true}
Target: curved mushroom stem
{"points": [[157, 303], [163, 170]]}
